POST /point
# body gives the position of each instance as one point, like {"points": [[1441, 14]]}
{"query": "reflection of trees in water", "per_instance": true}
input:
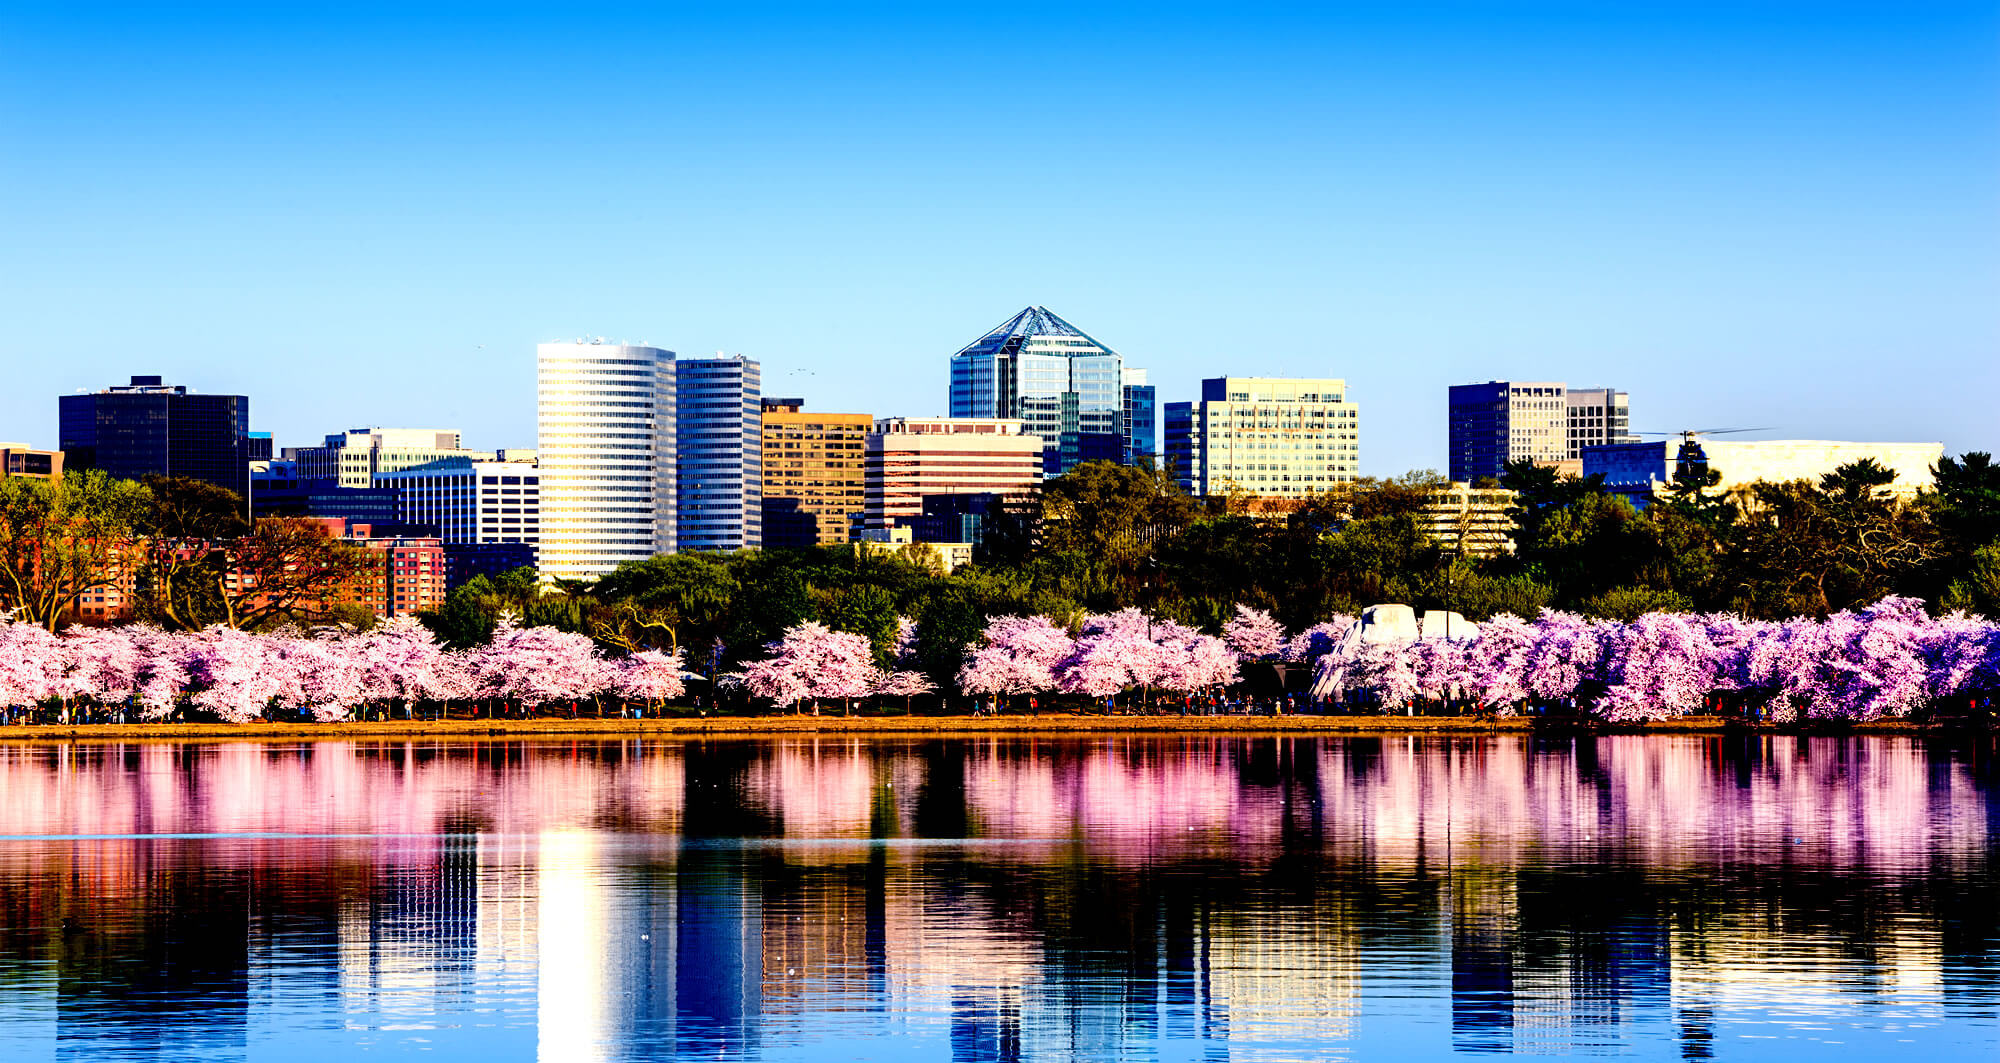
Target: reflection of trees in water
{"points": [[1079, 894]]}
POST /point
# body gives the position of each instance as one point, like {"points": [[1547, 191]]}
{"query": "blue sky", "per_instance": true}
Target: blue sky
{"points": [[1743, 214]]}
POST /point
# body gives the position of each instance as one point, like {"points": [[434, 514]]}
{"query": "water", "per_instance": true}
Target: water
{"points": [[995, 899]]}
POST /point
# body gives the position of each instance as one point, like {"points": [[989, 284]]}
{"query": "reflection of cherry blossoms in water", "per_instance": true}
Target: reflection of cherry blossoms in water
{"points": [[1000, 897], [1879, 802]]}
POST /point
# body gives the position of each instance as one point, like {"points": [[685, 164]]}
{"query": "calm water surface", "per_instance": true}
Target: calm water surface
{"points": [[1118, 898]]}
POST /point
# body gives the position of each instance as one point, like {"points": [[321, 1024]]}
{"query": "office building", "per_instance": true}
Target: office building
{"points": [[1139, 424], [278, 490], [20, 459], [1063, 386], [403, 573], [1644, 471], [1470, 521], [355, 457], [470, 501], [1597, 417], [814, 489], [904, 542], [605, 436], [466, 561], [957, 518], [412, 570], [909, 458], [719, 435], [1545, 422], [154, 429], [1274, 437]]}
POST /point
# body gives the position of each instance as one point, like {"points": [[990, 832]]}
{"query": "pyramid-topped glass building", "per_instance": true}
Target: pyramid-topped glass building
{"points": [[1062, 384]]}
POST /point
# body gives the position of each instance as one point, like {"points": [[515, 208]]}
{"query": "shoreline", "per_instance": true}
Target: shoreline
{"points": [[952, 726]]}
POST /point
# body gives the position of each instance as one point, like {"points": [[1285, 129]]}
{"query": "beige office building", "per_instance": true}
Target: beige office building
{"points": [[20, 459], [355, 457], [814, 485], [910, 457], [1777, 460], [1269, 436], [1470, 521]]}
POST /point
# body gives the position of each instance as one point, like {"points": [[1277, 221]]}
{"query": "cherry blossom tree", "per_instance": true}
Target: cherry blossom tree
{"points": [[1497, 663], [538, 666], [232, 673], [1019, 656], [651, 677], [1253, 635], [1567, 655], [323, 676], [32, 665], [1657, 666], [162, 678], [403, 661], [905, 685], [813, 661], [1308, 646], [103, 664]]}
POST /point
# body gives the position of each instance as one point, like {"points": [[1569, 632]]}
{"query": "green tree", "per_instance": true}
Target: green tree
{"points": [[1540, 491], [1813, 549], [670, 600], [1111, 518], [286, 569], [1594, 544], [62, 538], [188, 522], [1967, 500]]}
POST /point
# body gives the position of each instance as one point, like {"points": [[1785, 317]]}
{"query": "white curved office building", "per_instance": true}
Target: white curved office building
{"points": [[605, 432]]}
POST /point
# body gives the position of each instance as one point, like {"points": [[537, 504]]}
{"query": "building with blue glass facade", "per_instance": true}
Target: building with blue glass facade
{"points": [[719, 437], [1139, 425], [149, 428], [1063, 385]]}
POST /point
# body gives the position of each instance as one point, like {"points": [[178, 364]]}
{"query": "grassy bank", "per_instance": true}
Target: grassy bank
{"points": [[928, 726]]}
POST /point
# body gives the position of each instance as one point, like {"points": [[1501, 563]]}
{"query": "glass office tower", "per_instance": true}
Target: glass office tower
{"points": [[605, 436], [1060, 383], [718, 406], [154, 429]]}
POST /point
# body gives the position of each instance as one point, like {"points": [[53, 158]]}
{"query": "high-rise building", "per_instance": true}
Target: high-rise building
{"points": [[814, 489], [605, 436], [1542, 421], [1139, 424], [471, 501], [719, 413], [1273, 436], [355, 457], [153, 429], [911, 457], [1598, 417], [1063, 386]]}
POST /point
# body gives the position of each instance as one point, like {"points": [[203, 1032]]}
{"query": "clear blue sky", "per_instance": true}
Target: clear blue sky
{"points": [[1743, 214]]}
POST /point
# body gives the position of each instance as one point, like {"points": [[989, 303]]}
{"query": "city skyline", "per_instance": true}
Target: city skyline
{"points": [[1403, 198]]}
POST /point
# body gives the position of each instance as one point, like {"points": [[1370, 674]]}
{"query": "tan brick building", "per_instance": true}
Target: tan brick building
{"points": [[813, 473]]}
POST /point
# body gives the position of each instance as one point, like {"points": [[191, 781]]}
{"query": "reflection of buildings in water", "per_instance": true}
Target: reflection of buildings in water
{"points": [[1283, 974], [408, 945], [1579, 881], [572, 932], [718, 969], [1750, 958], [167, 976], [1483, 923]]}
